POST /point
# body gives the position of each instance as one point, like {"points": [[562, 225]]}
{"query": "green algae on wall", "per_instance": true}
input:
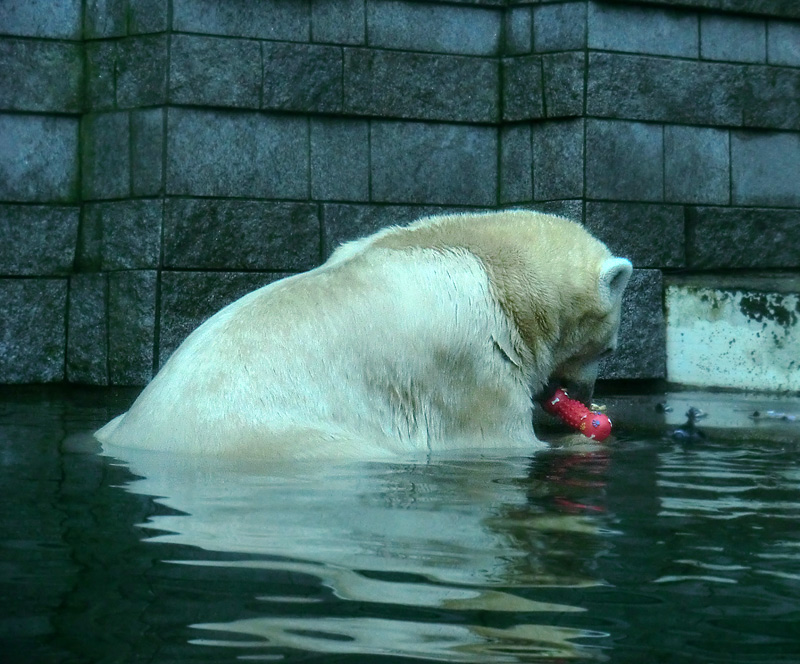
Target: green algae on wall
{"points": [[733, 337]]}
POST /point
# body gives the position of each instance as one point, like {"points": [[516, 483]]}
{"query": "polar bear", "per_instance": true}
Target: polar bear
{"points": [[419, 339]]}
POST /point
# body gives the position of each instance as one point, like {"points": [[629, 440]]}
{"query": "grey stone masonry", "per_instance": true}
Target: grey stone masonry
{"points": [[37, 239], [642, 331], [433, 27], [414, 162], [48, 19], [786, 8], [46, 75], [237, 234], [696, 164], [651, 235], [33, 330], [87, 331], [38, 158], [159, 158], [131, 326], [624, 161], [210, 71], [743, 238], [642, 30], [420, 85], [732, 38], [226, 154], [765, 169]]}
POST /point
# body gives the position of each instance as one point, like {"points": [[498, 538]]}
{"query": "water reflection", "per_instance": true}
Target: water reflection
{"points": [[448, 560], [641, 550], [752, 492]]}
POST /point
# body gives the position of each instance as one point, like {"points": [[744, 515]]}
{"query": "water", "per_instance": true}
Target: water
{"points": [[641, 550]]}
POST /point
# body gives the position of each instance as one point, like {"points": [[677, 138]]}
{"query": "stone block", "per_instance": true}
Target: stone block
{"points": [[141, 71], [624, 161], [147, 16], [105, 147], [772, 98], [437, 28], [522, 96], [38, 158], [559, 27], [105, 18], [247, 155], [558, 159], [516, 164], [564, 84], [87, 339], [33, 339], [648, 235], [128, 234], [101, 64], [423, 163], [783, 43], [665, 90], [266, 19], [420, 86], [786, 8], [642, 30], [37, 240], [147, 151], [765, 169], [641, 353], [189, 298], [40, 75], [696, 165], [743, 238], [90, 242], [339, 159], [518, 31], [571, 209], [210, 71], [343, 223], [302, 77], [733, 38], [338, 21], [131, 326], [54, 19], [241, 235]]}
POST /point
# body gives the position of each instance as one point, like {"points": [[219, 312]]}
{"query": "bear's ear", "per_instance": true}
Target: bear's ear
{"points": [[614, 275]]}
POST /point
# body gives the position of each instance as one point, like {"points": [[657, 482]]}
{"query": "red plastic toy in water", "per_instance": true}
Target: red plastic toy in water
{"points": [[573, 413]]}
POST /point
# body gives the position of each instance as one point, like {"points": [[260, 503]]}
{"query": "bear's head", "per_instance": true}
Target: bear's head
{"points": [[591, 335], [562, 287]]}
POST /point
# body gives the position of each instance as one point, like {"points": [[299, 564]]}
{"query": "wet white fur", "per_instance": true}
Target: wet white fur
{"points": [[376, 353]]}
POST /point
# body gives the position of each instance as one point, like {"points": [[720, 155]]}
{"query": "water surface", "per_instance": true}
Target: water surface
{"points": [[639, 550]]}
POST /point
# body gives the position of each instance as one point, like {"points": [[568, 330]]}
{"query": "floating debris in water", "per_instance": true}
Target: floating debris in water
{"points": [[689, 431], [773, 415]]}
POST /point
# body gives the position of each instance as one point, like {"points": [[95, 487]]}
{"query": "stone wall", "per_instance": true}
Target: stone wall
{"points": [[159, 159]]}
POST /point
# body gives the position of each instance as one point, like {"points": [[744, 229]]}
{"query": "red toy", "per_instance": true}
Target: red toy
{"points": [[573, 413]]}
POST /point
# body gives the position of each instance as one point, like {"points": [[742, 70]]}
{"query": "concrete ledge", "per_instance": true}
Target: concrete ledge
{"points": [[734, 417], [742, 334]]}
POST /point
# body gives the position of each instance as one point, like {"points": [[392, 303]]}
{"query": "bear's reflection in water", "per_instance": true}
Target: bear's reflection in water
{"points": [[452, 560]]}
